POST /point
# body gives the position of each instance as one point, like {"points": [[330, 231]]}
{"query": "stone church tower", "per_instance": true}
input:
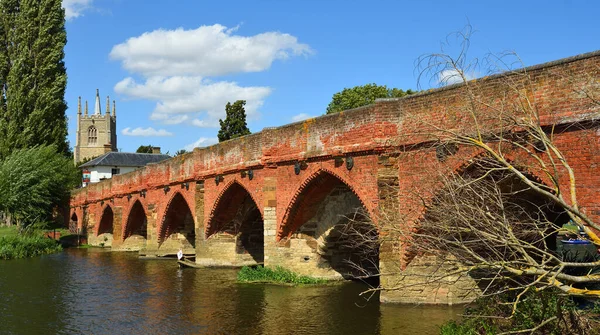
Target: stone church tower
{"points": [[96, 133]]}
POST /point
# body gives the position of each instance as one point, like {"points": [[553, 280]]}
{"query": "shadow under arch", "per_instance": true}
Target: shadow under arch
{"points": [[236, 214], [137, 222], [106, 221], [177, 219], [328, 214]]}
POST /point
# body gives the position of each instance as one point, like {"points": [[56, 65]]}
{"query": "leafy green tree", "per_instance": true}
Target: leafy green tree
{"points": [[32, 75], [180, 152], [144, 149], [33, 181], [359, 96], [234, 124]]}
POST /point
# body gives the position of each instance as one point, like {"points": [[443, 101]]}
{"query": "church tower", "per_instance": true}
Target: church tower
{"points": [[96, 133]]}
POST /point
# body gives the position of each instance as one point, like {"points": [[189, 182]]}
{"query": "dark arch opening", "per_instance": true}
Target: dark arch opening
{"points": [[491, 212], [336, 225], [73, 224], [178, 219], [106, 223], [237, 215], [137, 223], [521, 203]]}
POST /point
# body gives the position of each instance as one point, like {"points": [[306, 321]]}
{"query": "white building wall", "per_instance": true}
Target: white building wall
{"points": [[98, 173]]}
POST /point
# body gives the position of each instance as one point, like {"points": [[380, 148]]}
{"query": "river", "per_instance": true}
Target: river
{"points": [[92, 291]]}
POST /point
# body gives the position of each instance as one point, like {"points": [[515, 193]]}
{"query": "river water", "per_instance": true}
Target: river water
{"points": [[91, 291]]}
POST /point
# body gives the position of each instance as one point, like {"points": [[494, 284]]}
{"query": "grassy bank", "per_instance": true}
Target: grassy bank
{"points": [[277, 275], [14, 245], [8, 231]]}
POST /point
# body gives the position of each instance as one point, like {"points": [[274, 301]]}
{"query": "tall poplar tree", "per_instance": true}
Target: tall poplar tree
{"points": [[234, 124], [33, 76]]}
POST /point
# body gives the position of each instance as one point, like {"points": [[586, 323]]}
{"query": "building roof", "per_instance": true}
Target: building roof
{"points": [[125, 159]]}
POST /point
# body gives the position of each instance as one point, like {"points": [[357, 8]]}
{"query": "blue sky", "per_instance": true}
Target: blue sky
{"points": [[172, 65]]}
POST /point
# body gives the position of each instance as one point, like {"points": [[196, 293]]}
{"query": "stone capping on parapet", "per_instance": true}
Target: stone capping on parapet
{"points": [[553, 63]]}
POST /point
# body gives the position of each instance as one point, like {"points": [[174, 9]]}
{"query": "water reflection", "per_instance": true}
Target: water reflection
{"points": [[99, 292]]}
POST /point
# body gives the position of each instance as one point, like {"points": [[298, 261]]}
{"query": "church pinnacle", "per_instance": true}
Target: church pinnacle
{"points": [[97, 105]]}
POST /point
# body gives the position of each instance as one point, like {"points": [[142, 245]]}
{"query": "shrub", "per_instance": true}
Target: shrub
{"points": [[23, 246], [540, 312]]}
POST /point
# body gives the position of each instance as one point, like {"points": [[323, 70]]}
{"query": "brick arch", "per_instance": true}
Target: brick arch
{"points": [[310, 193], [463, 166], [128, 219], [163, 228], [77, 217], [106, 221], [234, 193]]}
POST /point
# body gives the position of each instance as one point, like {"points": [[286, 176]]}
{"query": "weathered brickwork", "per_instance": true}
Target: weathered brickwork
{"points": [[298, 180]]}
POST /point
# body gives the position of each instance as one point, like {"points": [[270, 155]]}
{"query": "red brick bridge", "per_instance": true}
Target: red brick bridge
{"points": [[277, 197]]}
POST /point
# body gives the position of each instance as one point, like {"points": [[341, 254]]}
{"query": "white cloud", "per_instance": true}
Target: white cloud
{"points": [[201, 142], [199, 123], [300, 117], [169, 119], [180, 98], [174, 67], [145, 132], [452, 76], [205, 51], [75, 8]]}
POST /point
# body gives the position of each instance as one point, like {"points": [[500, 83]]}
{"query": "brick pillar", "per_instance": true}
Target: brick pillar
{"points": [[151, 231], [117, 226], [390, 256], [270, 219], [199, 215]]}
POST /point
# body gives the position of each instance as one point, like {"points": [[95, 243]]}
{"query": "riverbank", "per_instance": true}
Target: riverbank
{"points": [[14, 245]]}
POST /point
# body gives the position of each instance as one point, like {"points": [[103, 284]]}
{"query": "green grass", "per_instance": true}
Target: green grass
{"points": [[8, 231], [277, 275], [22, 246]]}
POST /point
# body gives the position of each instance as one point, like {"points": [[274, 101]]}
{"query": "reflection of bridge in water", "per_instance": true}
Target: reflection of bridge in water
{"points": [[280, 196]]}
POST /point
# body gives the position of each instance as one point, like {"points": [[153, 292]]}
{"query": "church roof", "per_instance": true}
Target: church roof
{"points": [[125, 159]]}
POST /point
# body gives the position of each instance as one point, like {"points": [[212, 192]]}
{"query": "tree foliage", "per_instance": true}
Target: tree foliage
{"points": [[359, 96], [180, 152], [32, 75], [234, 124], [144, 149], [32, 181]]}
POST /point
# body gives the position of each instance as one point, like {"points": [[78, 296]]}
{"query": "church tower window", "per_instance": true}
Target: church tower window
{"points": [[92, 135]]}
